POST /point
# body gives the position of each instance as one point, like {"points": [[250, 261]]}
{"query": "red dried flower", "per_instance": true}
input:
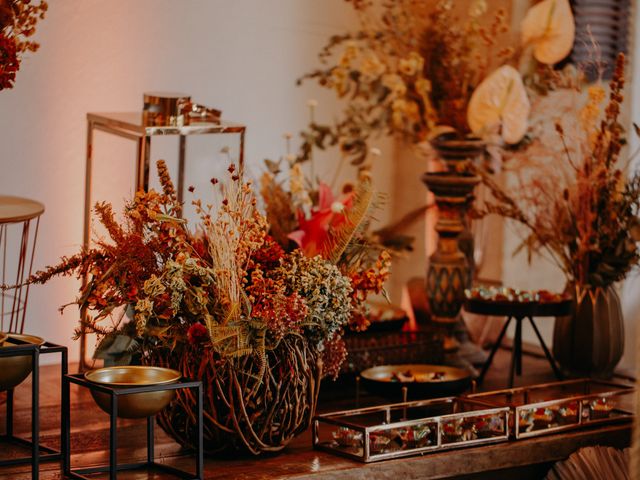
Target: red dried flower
{"points": [[197, 334], [9, 62], [132, 293], [269, 255]]}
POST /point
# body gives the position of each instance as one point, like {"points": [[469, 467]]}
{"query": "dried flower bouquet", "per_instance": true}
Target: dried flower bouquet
{"points": [[421, 69], [258, 321]]}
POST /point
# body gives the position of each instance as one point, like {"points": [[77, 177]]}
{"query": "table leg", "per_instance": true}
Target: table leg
{"points": [[547, 353], [66, 426], [35, 414], [518, 345], [241, 153], [87, 187], [493, 351], [516, 353], [150, 441], [181, 164], [142, 168], [113, 438], [86, 237], [64, 369], [9, 430], [200, 430]]}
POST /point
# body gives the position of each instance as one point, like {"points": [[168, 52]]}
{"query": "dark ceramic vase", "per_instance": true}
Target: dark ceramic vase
{"points": [[590, 342]]}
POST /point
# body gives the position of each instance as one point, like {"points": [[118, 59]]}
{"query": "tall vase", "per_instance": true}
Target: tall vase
{"points": [[451, 266], [456, 154], [590, 342], [449, 272]]}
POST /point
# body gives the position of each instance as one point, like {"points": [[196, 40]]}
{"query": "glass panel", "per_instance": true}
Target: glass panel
{"points": [[474, 427], [342, 439], [403, 439], [608, 407], [560, 414]]}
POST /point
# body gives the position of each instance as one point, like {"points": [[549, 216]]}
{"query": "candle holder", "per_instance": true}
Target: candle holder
{"points": [[39, 452], [114, 393]]}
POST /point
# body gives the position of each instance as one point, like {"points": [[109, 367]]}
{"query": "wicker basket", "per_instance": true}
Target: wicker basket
{"points": [[367, 350], [248, 405]]}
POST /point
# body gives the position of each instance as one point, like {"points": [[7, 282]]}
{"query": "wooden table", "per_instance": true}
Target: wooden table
{"points": [[525, 459]]}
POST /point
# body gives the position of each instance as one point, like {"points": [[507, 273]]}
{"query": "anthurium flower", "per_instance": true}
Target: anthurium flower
{"points": [[500, 101], [313, 232], [549, 27]]}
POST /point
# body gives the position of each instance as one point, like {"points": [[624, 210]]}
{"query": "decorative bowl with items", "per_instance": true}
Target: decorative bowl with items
{"points": [[505, 301], [421, 381]]}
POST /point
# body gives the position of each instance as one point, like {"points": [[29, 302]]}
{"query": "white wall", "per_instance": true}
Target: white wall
{"points": [[242, 56]]}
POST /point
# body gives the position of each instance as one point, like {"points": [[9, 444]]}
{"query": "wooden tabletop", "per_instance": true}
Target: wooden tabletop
{"points": [[17, 209], [89, 444]]}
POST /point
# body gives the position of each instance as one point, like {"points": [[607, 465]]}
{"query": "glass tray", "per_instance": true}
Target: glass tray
{"points": [[399, 430], [554, 407]]}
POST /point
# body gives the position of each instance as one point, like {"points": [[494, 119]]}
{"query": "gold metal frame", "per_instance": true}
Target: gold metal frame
{"points": [[131, 125]]}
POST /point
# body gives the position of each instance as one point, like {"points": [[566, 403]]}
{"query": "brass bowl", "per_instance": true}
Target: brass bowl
{"points": [[14, 370], [136, 405]]}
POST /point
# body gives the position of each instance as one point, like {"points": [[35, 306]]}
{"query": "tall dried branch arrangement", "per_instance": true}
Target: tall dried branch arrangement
{"points": [[583, 212]]}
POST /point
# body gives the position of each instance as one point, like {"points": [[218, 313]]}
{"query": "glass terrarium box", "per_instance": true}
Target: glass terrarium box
{"points": [[552, 407], [409, 428]]}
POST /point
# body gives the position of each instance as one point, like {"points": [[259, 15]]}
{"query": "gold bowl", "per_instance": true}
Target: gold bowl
{"points": [[136, 405], [15, 369]]}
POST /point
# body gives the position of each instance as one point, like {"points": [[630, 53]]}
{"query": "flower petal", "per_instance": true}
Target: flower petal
{"points": [[500, 101], [550, 28]]}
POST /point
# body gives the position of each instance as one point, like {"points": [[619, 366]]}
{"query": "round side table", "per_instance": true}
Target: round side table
{"points": [[19, 222], [518, 311]]}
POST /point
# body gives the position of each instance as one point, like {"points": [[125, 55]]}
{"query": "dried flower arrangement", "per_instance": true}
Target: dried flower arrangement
{"points": [[258, 317], [236, 281], [421, 70], [584, 212], [308, 215], [18, 19]]}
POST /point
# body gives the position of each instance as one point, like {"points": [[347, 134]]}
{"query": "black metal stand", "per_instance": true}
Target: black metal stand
{"points": [[516, 352], [39, 453], [113, 467]]}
